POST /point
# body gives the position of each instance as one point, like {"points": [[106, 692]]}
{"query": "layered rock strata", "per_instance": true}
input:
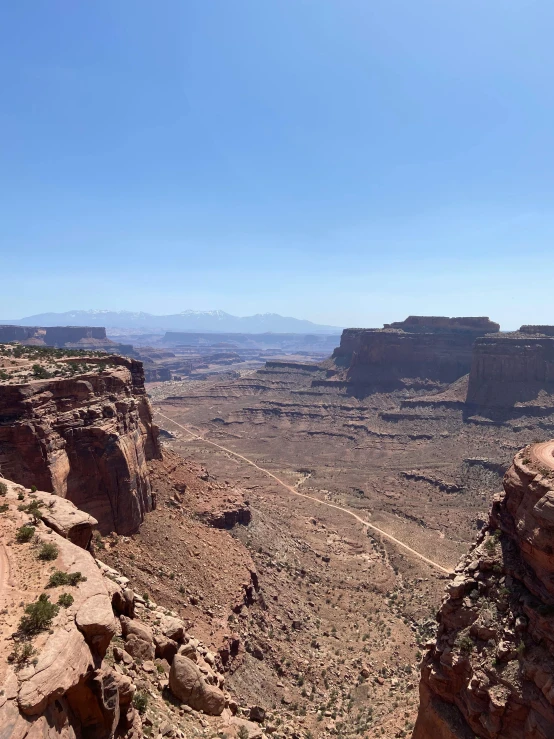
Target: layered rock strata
{"points": [[490, 672], [513, 369], [435, 349], [87, 439]]}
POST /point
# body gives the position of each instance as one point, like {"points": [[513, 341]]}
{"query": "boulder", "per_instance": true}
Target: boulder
{"points": [[173, 628], [139, 648], [66, 519], [165, 648], [187, 683], [132, 626]]}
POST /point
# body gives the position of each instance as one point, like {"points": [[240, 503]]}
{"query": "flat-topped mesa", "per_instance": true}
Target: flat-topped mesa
{"points": [[436, 349], [435, 324], [490, 672], [86, 437], [542, 330], [512, 369], [63, 337]]}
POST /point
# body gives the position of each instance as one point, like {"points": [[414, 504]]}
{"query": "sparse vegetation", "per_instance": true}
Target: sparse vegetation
{"points": [[58, 578], [22, 653], [48, 552], [140, 701], [24, 534], [3, 489], [65, 600], [38, 615]]}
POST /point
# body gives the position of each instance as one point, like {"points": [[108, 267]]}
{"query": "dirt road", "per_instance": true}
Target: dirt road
{"points": [[293, 491]]}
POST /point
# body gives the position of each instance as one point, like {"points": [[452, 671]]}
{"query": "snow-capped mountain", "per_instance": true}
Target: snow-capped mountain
{"points": [[188, 320]]}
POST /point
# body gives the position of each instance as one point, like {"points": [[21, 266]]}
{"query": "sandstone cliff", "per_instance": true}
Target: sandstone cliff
{"points": [[438, 350], [86, 438], [490, 672], [512, 369], [53, 680]]}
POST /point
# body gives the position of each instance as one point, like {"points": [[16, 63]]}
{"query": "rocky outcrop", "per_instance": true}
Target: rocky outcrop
{"points": [[438, 350], [66, 519], [87, 439], [511, 369], [490, 672], [61, 687]]}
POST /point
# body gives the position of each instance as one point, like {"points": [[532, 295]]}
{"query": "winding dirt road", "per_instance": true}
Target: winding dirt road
{"points": [[293, 491]]}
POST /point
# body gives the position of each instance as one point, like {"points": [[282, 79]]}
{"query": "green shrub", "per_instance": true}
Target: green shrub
{"points": [[33, 488], [48, 552], [3, 489], [243, 733], [65, 578], [40, 372], [25, 534], [21, 496], [33, 509], [140, 701], [22, 652], [4, 507], [38, 615], [65, 600]]}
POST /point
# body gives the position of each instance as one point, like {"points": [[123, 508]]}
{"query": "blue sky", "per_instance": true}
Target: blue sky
{"points": [[344, 161]]}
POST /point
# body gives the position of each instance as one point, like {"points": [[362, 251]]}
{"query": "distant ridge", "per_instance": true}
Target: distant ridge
{"points": [[188, 320]]}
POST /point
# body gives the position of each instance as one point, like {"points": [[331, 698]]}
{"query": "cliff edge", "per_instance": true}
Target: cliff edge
{"points": [[84, 432], [490, 672]]}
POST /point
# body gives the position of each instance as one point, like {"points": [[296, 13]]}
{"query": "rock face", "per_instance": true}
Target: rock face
{"points": [[510, 369], [86, 439], [490, 672], [431, 348], [65, 691]]}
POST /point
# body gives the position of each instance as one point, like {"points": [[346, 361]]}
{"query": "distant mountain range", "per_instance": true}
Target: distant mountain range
{"points": [[188, 320]]}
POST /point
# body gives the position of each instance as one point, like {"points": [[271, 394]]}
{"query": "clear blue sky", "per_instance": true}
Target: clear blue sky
{"points": [[345, 161]]}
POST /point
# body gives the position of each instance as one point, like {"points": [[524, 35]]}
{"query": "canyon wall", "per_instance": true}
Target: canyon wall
{"points": [[87, 438], [434, 348], [62, 335], [511, 369], [490, 671]]}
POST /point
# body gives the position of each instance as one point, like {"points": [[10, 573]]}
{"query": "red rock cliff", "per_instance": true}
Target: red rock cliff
{"points": [[511, 368], [434, 348], [490, 673], [87, 439]]}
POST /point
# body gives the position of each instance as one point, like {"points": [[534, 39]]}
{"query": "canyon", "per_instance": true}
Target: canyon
{"points": [[301, 521]]}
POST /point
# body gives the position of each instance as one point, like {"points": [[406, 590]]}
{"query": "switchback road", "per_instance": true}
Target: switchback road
{"points": [[293, 491]]}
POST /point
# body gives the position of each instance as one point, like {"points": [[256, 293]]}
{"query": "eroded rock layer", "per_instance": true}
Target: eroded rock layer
{"points": [[490, 672], [513, 369], [86, 438], [434, 348]]}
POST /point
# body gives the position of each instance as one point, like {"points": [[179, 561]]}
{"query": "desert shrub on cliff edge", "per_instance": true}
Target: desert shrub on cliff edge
{"points": [[65, 600], [3, 489], [65, 578], [38, 615], [48, 552], [25, 534]]}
